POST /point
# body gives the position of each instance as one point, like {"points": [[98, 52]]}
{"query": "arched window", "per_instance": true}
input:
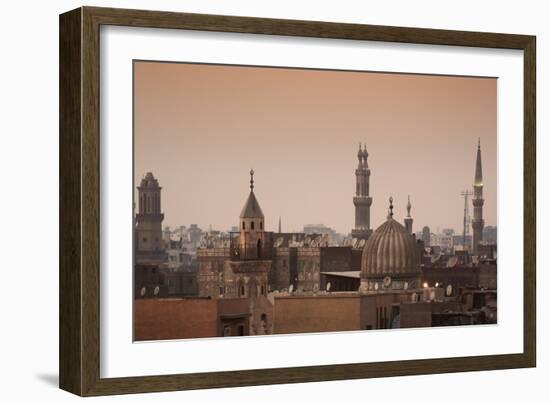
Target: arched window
{"points": [[251, 224], [244, 225], [261, 225]]}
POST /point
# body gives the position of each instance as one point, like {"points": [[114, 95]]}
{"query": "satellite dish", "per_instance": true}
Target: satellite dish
{"points": [[449, 290], [279, 241], [432, 295], [406, 285], [291, 288], [143, 291], [157, 290], [361, 243], [375, 286], [316, 288], [353, 242], [414, 297], [328, 286], [387, 282]]}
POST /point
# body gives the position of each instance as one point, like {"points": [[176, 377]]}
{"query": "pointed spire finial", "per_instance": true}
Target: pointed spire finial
{"points": [[251, 180], [478, 178], [390, 211], [409, 206]]}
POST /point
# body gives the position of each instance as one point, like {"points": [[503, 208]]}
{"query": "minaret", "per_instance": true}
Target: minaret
{"points": [[279, 224], [362, 201], [477, 201], [149, 244], [408, 219], [251, 240]]}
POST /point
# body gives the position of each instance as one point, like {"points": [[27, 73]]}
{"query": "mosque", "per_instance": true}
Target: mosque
{"points": [[296, 282]]}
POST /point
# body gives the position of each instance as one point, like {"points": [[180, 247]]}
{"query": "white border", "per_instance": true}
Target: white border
{"points": [[120, 357]]}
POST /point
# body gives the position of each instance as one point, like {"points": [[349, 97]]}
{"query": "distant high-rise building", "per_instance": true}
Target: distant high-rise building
{"points": [[426, 235], [194, 233], [362, 200], [490, 234], [445, 239], [477, 201]]}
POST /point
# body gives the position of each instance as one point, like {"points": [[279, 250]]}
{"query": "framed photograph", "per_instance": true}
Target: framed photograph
{"points": [[249, 201]]}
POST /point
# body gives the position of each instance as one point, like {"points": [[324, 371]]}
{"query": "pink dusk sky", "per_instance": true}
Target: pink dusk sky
{"points": [[201, 128]]}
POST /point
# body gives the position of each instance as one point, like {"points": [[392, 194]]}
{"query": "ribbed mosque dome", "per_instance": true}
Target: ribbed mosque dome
{"points": [[390, 251]]}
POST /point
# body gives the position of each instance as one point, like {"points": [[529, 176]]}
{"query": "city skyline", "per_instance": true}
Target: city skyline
{"points": [[200, 146]]}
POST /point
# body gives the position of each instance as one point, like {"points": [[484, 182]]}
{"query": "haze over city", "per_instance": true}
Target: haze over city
{"points": [[201, 128]]}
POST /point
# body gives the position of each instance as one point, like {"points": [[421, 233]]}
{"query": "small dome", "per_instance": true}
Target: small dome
{"points": [[390, 251]]}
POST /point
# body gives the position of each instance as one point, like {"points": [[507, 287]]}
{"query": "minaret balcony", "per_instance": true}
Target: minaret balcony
{"points": [[151, 217], [362, 201]]}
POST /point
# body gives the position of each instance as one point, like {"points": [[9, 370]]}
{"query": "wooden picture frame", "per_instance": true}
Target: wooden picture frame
{"points": [[80, 187]]}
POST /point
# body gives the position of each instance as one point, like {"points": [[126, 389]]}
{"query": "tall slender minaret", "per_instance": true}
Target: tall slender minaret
{"points": [[279, 224], [477, 201], [362, 200], [408, 219]]}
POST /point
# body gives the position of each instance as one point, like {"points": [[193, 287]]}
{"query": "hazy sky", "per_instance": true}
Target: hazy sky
{"points": [[201, 128]]}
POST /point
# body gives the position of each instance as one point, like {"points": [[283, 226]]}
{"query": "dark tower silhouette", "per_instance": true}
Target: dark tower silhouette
{"points": [[149, 244], [478, 222], [426, 235], [362, 201]]}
